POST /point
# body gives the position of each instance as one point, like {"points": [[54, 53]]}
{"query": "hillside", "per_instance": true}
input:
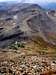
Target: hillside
{"points": [[24, 21]]}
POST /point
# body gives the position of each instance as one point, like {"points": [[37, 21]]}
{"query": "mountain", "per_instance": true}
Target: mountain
{"points": [[4, 6], [23, 22], [49, 6]]}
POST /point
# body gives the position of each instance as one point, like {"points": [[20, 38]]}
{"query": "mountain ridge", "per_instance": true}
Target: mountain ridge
{"points": [[28, 22]]}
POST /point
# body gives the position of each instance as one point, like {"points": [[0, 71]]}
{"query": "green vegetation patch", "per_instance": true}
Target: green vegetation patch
{"points": [[16, 45]]}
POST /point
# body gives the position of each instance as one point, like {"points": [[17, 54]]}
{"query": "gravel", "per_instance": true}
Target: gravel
{"points": [[27, 65]]}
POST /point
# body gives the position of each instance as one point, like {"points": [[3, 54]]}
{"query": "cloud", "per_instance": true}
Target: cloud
{"points": [[31, 1], [51, 0], [7, 0], [36, 1]]}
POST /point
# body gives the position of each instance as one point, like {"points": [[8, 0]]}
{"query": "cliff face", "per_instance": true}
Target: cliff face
{"points": [[25, 21]]}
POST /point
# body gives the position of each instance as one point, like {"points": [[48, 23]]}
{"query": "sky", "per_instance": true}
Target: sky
{"points": [[31, 1]]}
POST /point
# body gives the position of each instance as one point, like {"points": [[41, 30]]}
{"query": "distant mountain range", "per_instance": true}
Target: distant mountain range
{"points": [[49, 6], [6, 5]]}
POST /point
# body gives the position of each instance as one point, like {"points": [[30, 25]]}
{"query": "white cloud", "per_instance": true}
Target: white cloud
{"points": [[51, 0], [36, 1], [7, 0], [31, 1]]}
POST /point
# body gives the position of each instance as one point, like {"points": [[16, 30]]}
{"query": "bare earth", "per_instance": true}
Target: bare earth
{"points": [[27, 61]]}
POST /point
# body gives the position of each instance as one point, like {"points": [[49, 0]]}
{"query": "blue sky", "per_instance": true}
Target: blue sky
{"points": [[31, 1]]}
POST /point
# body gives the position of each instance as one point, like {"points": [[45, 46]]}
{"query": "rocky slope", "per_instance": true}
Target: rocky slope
{"points": [[25, 21], [27, 61]]}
